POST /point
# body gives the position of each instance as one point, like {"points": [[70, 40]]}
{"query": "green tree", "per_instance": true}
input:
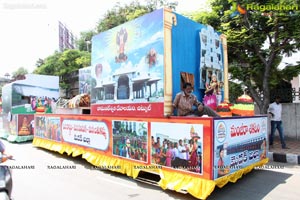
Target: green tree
{"points": [[84, 41], [19, 74], [63, 63], [51, 65], [39, 62], [235, 91], [257, 42]]}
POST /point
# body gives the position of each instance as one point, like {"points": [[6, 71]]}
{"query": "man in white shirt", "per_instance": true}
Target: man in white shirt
{"points": [[183, 154], [182, 150], [275, 109]]}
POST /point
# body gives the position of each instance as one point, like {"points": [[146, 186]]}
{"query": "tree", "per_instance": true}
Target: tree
{"points": [[235, 91], [257, 41], [39, 62], [63, 63], [50, 66], [19, 74], [84, 41]]}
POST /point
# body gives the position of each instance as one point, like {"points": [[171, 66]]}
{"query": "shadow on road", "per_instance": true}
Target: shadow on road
{"points": [[266, 180]]}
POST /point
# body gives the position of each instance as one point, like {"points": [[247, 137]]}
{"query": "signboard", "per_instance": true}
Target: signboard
{"points": [[47, 127], [238, 143], [179, 147], [137, 109], [25, 124], [85, 80], [130, 139], [92, 134]]}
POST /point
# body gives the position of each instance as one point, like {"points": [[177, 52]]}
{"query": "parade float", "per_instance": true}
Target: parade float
{"points": [[22, 99], [137, 69]]}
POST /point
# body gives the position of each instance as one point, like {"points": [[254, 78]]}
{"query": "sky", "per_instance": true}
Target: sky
{"points": [[29, 28]]}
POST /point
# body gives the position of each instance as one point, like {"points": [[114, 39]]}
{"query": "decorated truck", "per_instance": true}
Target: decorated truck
{"points": [[137, 69], [21, 99]]}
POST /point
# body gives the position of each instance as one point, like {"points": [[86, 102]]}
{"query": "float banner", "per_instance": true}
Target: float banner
{"points": [[130, 139], [180, 147], [92, 134], [12, 124], [239, 142], [47, 127], [128, 68], [124, 110], [85, 80], [25, 124]]}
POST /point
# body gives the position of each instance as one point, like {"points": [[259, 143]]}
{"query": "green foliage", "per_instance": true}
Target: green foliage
{"points": [[84, 42], [288, 73], [19, 73], [235, 91], [62, 63], [39, 62], [123, 13]]}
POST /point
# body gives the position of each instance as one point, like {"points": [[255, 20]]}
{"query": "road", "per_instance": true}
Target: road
{"points": [[82, 182]]}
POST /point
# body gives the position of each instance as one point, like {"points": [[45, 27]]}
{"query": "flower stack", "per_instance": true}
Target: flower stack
{"points": [[244, 106]]}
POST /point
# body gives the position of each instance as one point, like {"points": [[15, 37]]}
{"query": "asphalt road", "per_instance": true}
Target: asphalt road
{"points": [[40, 180]]}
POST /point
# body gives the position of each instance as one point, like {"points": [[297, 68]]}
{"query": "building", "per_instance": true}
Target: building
{"points": [[66, 39]]}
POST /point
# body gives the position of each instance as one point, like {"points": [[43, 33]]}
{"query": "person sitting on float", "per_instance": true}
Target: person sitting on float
{"points": [[185, 102]]}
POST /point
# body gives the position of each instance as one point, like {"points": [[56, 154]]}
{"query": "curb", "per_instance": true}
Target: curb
{"points": [[285, 158]]}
